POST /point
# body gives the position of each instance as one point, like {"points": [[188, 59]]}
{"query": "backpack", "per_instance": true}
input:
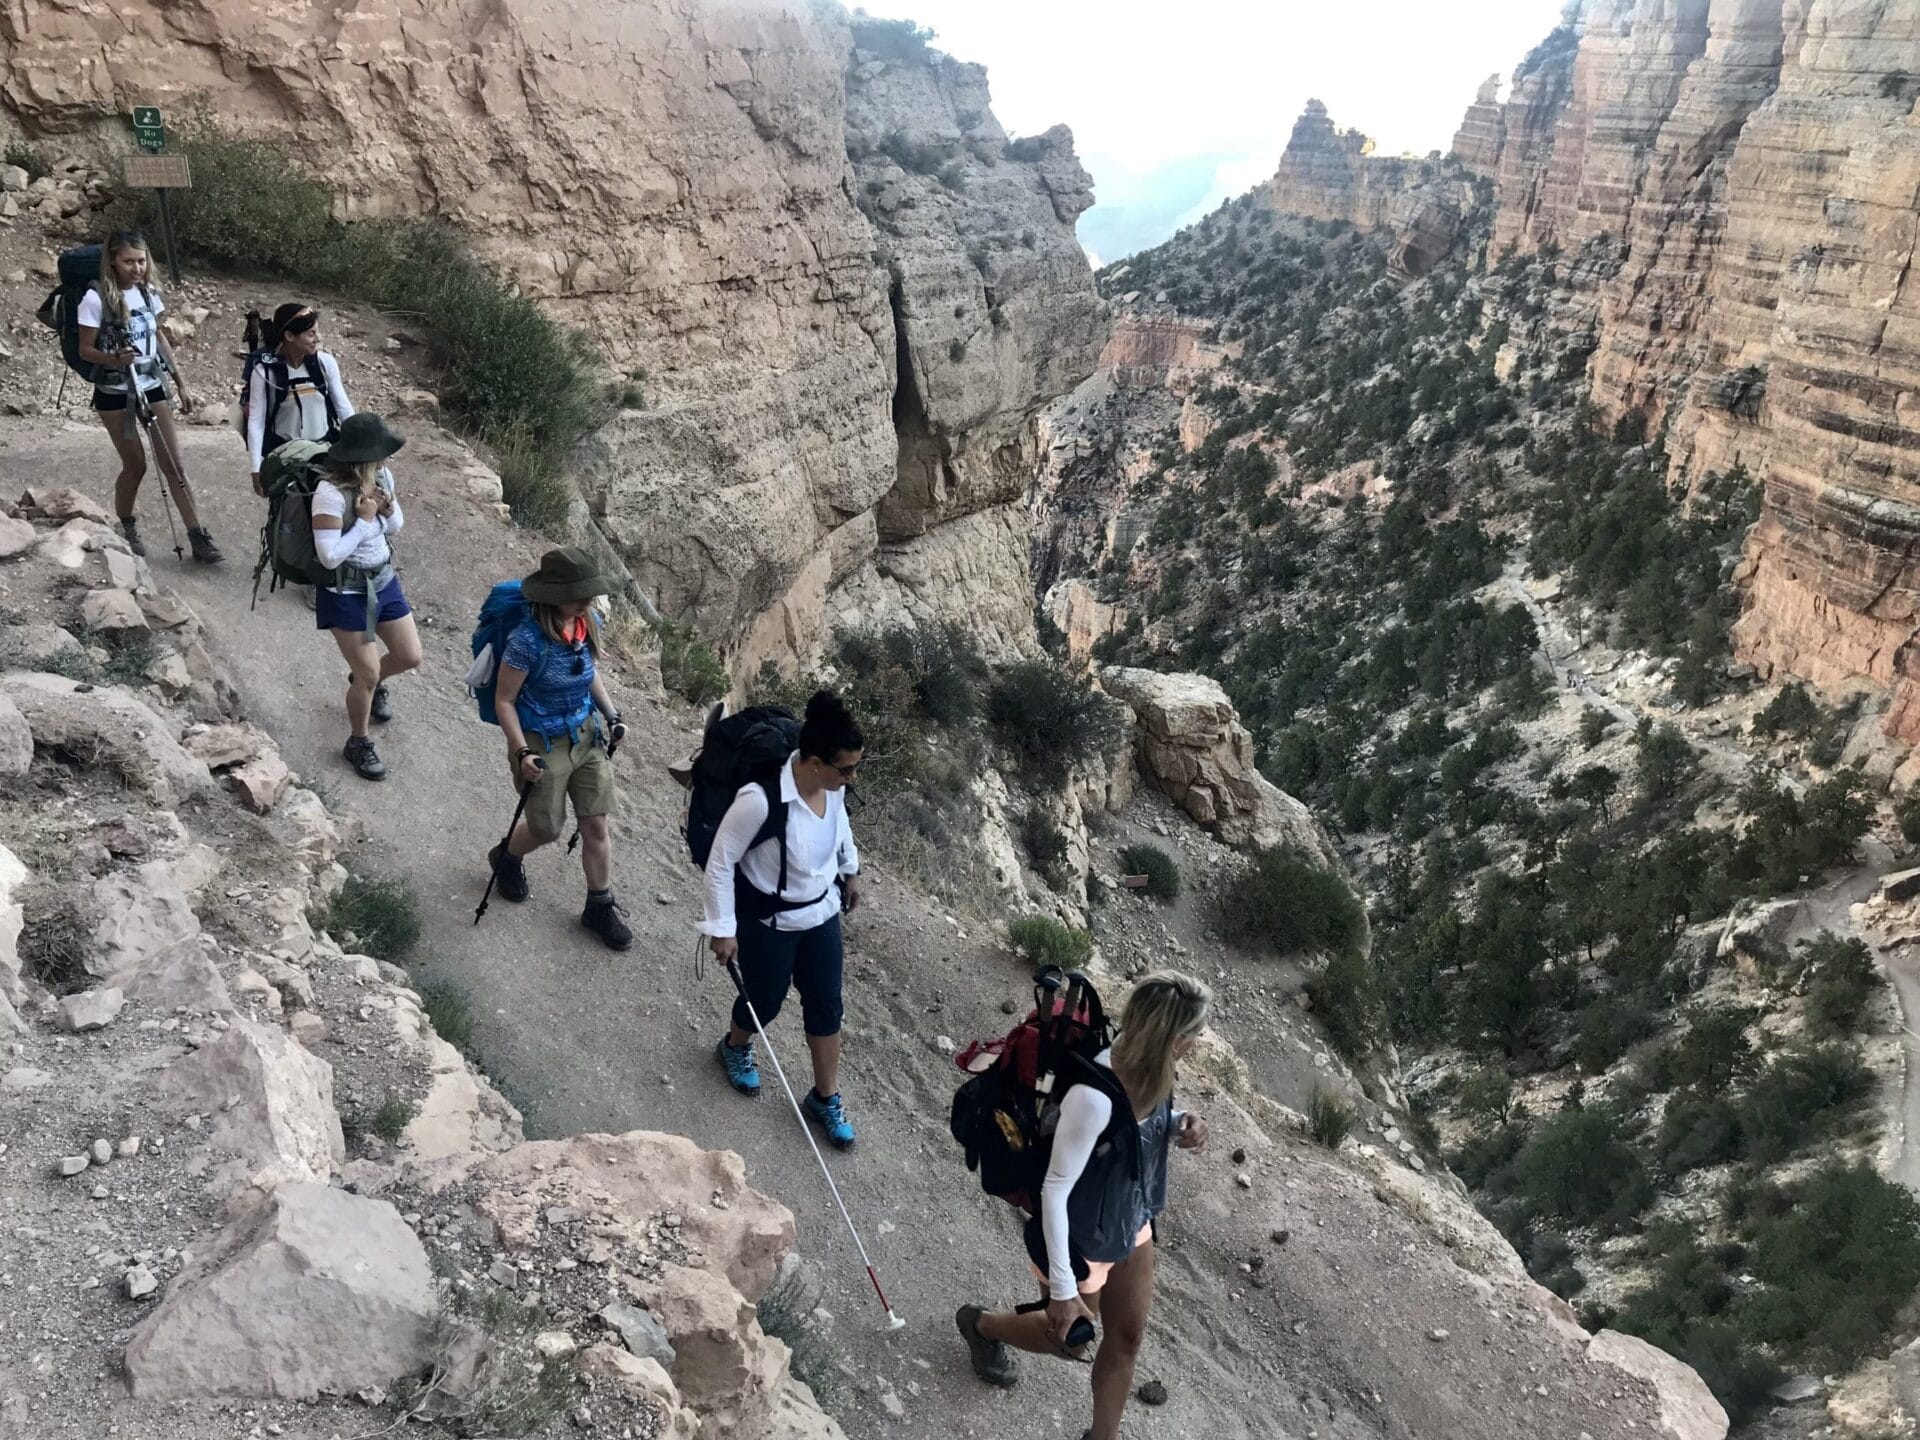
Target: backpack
{"points": [[288, 476], [79, 272], [750, 748], [1004, 1115], [504, 611], [280, 378]]}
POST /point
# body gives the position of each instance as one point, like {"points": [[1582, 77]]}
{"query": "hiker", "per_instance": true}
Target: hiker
{"points": [[364, 600], [551, 703], [293, 389], [1091, 1245], [774, 905], [122, 310]]}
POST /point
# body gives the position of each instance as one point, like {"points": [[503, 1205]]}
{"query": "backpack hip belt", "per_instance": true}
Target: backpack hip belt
{"points": [[370, 581], [750, 901]]}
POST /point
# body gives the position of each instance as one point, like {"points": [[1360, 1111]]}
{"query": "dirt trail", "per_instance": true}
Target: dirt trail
{"points": [[1335, 1344]]}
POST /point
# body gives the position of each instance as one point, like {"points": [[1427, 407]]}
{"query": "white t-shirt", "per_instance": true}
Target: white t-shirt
{"points": [[302, 414], [361, 542], [143, 334]]}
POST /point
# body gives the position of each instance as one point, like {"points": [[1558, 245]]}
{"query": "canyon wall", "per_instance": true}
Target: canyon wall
{"points": [[674, 179], [1331, 174], [1736, 182]]}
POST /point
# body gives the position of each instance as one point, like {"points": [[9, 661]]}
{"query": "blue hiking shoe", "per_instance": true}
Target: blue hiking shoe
{"points": [[831, 1116], [742, 1073]]}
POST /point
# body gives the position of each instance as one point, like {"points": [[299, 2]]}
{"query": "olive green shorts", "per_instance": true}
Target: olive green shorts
{"points": [[580, 772]]}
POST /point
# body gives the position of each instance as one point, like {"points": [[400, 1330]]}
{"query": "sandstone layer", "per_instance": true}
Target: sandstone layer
{"points": [[1477, 143], [1331, 174], [1737, 177], [674, 179]]}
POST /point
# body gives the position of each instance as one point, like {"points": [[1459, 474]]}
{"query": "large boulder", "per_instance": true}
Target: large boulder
{"points": [[13, 875], [144, 917], [16, 741], [1688, 1410], [1193, 747], [1758, 938], [312, 1291], [725, 1367], [267, 1103], [112, 726]]}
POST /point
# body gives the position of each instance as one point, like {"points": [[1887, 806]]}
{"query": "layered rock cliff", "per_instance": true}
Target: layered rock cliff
{"points": [[826, 391], [1331, 174], [1735, 180]]}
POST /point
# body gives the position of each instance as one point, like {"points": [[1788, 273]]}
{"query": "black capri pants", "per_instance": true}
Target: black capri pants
{"points": [[772, 962]]}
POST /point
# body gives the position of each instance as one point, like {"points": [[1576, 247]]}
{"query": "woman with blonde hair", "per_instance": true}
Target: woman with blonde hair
{"points": [[1091, 1245], [120, 336], [560, 724], [365, 601]]}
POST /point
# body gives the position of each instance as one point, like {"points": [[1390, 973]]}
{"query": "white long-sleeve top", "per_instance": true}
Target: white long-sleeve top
{"points": [[364, 542], [1085, 1112], [303, 412], [820, 850]]}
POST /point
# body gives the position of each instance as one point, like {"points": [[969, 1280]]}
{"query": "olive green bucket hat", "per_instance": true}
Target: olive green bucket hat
{"points": [[569, 573], [364, 438]]}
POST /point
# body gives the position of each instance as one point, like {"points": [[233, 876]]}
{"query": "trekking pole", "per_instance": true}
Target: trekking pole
{"points": [[894, 1322], [144, 413], [612, 745], [493, 871]]}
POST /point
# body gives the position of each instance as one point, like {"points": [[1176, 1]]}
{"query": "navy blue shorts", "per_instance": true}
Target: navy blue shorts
{"points": [[347, 609], [773, 962]]}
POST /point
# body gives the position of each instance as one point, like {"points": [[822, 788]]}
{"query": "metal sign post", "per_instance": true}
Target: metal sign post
{"points": [[161, 174]]}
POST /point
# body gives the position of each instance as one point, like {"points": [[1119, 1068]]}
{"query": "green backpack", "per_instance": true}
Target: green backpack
{"points": [[289, 475]]}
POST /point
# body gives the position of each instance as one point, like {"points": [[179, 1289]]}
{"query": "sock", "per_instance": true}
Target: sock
{"points": [[599, 897]]}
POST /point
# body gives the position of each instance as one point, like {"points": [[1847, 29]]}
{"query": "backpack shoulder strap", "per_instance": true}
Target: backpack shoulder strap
{"points": [[316, 370], [777, 821]]}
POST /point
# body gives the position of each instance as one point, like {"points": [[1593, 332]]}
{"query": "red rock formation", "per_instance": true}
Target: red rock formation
{"points": [[1146, 351], [1652, 332], [1482, 132], [1540, 88]]}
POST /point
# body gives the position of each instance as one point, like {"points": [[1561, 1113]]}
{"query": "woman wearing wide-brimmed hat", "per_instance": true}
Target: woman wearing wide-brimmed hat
{"points": [[558, 719], [365, 601]]}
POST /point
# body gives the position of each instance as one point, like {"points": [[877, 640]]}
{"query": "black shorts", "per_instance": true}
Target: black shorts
{"points": [[109, 400]]}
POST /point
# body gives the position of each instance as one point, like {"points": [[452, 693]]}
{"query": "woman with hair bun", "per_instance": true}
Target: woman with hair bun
{"points": [[775, 906]]}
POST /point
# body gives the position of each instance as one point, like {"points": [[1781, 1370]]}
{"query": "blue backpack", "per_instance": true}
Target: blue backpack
{"points": [[505, 611]]}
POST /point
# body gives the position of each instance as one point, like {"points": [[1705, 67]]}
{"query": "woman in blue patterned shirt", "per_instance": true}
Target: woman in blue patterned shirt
{"points": [[559, 720]]}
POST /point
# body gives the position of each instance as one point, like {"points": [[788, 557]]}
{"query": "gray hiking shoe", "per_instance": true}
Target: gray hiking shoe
{"points": [[130, 528], [382, 705], [993, 1361], [365, 759]]}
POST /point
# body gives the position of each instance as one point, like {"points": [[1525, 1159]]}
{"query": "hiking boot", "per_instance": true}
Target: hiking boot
{"points": [[510, 876], [831, 1116], [382, 706], [130, 528], [364, 758], [993, 1361], [604, 919], [205, 552], [742, 1073]]}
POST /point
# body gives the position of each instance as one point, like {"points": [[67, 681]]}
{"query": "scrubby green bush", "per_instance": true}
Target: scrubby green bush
{"points": [[1800, 1097], [28, 157], [1594, 724], [376, 914], [935, 671], [1844, 982], [1046, 847], [1329, 1117], [446, 1008], [1906, 812], [1045, 941], [517, 379], [1283, 905], [1792, 710], [1346, 998], [1160, 868], [1049, 721], [1578, 1167], [688, 666]]}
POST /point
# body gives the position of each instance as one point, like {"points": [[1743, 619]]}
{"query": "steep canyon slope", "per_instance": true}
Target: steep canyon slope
{"points": [[842, 292], [1733, 183]]}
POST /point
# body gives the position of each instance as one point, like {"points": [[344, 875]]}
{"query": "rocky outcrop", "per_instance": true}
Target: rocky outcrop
{"points": [[674, 179], [1529, 123], [1483, 131], [1331, 174], [1688, 1410], [1192, 746], [314, 1290]]}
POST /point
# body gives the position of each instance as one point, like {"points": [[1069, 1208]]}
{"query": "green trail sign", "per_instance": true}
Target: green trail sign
{"points": [[148, 131]]}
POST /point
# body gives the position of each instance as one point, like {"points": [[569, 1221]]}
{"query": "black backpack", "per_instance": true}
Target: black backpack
{"points": [[79, 272], [750, 748], [280, 377]]}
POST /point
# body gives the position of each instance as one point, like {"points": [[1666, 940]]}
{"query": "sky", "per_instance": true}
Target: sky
{"points": [[1177, 105]]}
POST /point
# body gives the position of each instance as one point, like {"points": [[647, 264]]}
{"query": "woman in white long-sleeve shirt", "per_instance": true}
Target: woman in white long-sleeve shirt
{"points": [[775, 886], [365, 601], [294, 389], [1091, 1245]]}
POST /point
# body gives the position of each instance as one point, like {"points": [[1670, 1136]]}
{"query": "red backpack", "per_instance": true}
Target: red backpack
{"points": [[1004, 1116]]}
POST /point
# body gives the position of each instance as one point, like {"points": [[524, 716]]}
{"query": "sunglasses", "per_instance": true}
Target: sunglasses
{"points": [[847, 772]]}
